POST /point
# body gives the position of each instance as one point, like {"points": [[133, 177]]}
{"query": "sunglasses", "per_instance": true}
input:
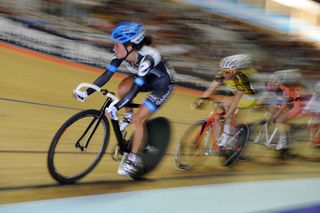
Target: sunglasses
{"points": [[228, 72]]}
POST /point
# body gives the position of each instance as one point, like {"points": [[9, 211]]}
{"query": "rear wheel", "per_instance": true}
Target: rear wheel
{"points": [[192, 145], [240, 139], [158, 138], [78, 146], [302, 144]]}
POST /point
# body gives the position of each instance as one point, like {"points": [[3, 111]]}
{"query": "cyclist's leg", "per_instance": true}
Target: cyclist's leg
{"points": [[149, 106], [281, 122], [138, 121], [131, 164], [282, 126], [123, 88], [225, 136], [228, 130]]}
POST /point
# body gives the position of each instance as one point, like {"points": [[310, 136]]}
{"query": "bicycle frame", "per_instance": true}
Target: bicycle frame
{"points": [[211, 121], [268, 137], [110, 101]]}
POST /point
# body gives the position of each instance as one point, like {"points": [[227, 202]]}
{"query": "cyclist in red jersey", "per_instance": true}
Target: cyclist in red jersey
{"points": [[288, 103]]}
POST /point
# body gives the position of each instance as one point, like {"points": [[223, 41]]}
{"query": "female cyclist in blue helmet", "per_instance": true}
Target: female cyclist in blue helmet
{"points": [[149, 73]]}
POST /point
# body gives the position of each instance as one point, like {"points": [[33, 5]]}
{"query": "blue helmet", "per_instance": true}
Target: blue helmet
{"points": [[128, 32]]}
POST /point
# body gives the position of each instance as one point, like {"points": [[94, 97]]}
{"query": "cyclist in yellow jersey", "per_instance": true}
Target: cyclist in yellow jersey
{"points": [[234, 78]]}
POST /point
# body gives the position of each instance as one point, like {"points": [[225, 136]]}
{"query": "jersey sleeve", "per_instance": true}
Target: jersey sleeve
{"points": [[105, 77], [150, 58], [128, 97], [243, 83]]}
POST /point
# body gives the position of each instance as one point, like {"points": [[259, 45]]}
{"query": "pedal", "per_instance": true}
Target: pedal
{"points": [[115, 154], [124, 133], [209, 151]]}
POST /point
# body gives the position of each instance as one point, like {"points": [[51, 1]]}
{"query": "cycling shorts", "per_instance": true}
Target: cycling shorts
{"points": [[247, 101], [157, 97]]}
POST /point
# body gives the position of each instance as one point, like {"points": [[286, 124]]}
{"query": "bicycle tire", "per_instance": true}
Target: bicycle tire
{"points": [[190, 150], [300, 145], [61, 151], [232, 155], [156, 145]]}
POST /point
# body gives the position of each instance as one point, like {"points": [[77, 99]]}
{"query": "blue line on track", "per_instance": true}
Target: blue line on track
{"points": [[294, 196]]}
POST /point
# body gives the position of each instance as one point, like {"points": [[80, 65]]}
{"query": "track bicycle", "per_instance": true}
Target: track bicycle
{"points": [[202, 138], [268, 136], [314, 129], [82, 140]]}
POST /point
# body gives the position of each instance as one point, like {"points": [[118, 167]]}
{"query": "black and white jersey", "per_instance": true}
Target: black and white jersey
{"points": [[150, 72]]}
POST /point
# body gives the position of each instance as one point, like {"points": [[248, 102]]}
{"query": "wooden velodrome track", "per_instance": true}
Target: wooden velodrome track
{"points": [[35, 99]]}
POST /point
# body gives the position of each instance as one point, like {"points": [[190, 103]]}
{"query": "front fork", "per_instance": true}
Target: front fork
{"points": [[86, 144]]}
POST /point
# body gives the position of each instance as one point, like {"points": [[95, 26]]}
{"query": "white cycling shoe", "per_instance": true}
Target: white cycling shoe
{"points": [[130, 165], [282, 144], [126, 121]]}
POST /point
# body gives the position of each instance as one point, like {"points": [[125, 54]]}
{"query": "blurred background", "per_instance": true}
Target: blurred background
{"points": [[192, 35]]}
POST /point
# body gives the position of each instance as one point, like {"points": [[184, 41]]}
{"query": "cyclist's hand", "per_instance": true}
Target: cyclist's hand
{"points": [[79, 95], [222, 120], [113, 113], [199, 103]]}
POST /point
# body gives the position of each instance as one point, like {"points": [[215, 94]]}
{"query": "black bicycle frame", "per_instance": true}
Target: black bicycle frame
{"points": [[115, 124]]}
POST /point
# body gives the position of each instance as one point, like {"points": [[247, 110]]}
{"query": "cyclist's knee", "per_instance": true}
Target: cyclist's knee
{"points": [[124, 86], [282, 118], [137, 120]]}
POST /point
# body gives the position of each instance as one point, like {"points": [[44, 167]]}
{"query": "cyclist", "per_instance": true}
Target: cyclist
{"points": [[149, 74], [313, 106], [233, 77], [288, 103]]}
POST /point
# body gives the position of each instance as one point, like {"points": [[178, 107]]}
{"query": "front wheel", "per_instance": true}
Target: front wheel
{"points": [[78, 146], [192, 145]]}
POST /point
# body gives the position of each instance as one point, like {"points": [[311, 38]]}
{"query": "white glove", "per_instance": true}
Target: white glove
{"points": [[80, 96], [112, 113]]}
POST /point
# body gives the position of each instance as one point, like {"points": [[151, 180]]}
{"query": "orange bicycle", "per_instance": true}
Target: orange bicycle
{"points": [[202, 138]]}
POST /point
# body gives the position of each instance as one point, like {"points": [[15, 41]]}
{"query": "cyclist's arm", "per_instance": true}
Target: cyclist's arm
{"points": [[135, 88], [149, 61], [212, 87], [105, 77], [234, 103], [280, 110], [283, 106], [100, 81]]}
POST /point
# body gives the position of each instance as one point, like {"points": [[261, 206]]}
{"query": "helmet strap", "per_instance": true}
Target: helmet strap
{"points": [[128, 52]]}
